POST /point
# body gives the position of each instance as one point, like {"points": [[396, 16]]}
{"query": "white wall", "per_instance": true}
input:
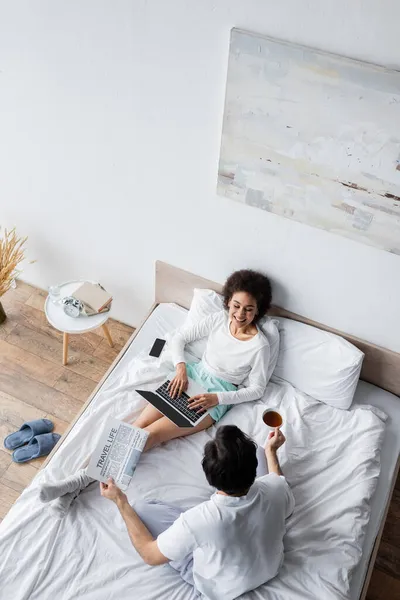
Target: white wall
{"points": [[110, 121]]}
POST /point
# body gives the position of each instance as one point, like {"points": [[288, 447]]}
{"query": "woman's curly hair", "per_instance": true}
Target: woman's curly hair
{"points": [[252, 282]]}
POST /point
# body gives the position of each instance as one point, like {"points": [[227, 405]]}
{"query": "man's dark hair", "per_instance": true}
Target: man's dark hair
{"points": [[252, 282], [230, 461]]}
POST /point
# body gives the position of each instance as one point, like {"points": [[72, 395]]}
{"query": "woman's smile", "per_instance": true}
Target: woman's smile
{"points": [[239, 320]]}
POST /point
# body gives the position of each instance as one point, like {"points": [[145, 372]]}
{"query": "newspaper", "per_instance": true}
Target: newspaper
{"points": [[117, 453]]}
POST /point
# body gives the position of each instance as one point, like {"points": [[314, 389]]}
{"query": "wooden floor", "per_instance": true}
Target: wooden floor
{"points": [[34, 384]]}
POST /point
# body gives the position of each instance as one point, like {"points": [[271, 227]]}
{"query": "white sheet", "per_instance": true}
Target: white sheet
{"points": [[89, 555]]}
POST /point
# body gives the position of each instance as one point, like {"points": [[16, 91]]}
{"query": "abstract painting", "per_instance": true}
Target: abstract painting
{"points": [[313, 137]]}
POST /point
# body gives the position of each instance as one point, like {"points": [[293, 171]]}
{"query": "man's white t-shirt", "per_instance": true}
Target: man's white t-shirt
{"points": [[237, 543]]}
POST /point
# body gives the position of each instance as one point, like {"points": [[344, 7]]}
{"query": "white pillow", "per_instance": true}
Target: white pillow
{"points": [[205, 302], [320, 364]]}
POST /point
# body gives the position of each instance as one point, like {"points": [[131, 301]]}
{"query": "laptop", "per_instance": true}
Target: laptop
{"points": [[176, 409]]}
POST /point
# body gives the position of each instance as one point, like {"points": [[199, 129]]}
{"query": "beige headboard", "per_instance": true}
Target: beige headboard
{"points": [[381, 366]]}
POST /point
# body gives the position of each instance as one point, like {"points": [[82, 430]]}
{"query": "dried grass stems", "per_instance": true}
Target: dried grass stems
{"points": [[12, 253]]}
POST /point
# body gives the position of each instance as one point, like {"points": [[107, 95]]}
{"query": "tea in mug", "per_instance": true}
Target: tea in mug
{"points": [[272, 418]]}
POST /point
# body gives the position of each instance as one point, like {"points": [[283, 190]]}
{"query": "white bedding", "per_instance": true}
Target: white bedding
{"points": [[331, 460]]}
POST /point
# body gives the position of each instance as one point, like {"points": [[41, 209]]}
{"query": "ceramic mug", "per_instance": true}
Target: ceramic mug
{"points": [[272, 418]]}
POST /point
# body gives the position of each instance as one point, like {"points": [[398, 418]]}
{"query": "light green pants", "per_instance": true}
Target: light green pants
{"points": [[198, 373]]}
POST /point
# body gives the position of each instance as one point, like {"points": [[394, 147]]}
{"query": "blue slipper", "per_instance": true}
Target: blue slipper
{"points": [[40, 445], [26, 433]]}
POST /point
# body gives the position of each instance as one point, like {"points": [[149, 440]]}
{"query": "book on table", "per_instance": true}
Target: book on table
{"points": [[117, 452], [94, 298]]}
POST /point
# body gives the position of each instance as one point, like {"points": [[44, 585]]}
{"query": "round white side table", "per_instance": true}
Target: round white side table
{"points": [[59, 320]]}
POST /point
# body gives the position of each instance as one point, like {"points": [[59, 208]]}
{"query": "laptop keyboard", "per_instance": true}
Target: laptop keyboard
{"points": [[181, 402]]}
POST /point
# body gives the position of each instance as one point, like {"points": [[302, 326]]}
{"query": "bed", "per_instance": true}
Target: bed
{"points": [[88, 555]]}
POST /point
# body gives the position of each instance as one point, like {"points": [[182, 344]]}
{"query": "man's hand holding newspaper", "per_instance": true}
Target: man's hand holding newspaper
{"points": [[111, 491]]}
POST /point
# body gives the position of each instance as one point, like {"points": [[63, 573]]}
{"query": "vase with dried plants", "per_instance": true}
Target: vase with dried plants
{"points": [[12, 253]]}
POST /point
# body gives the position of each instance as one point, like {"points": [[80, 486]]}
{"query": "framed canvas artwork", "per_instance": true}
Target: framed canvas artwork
{"points": [[313, 137]]}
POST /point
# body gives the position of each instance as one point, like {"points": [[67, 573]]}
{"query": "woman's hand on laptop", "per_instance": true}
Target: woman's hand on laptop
{"points": [[202, 402], [180, 382]]}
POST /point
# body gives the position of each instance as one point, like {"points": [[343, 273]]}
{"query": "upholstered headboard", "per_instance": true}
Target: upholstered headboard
{"points": [[381, 366]]}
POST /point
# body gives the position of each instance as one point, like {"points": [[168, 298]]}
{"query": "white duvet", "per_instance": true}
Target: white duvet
{"points": [[330, 459]]}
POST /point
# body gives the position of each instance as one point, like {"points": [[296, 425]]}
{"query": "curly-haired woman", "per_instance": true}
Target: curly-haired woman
{"points": [[237, 353]]}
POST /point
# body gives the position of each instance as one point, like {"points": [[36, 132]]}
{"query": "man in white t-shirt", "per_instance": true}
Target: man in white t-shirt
{"points": [[230, 544]]}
